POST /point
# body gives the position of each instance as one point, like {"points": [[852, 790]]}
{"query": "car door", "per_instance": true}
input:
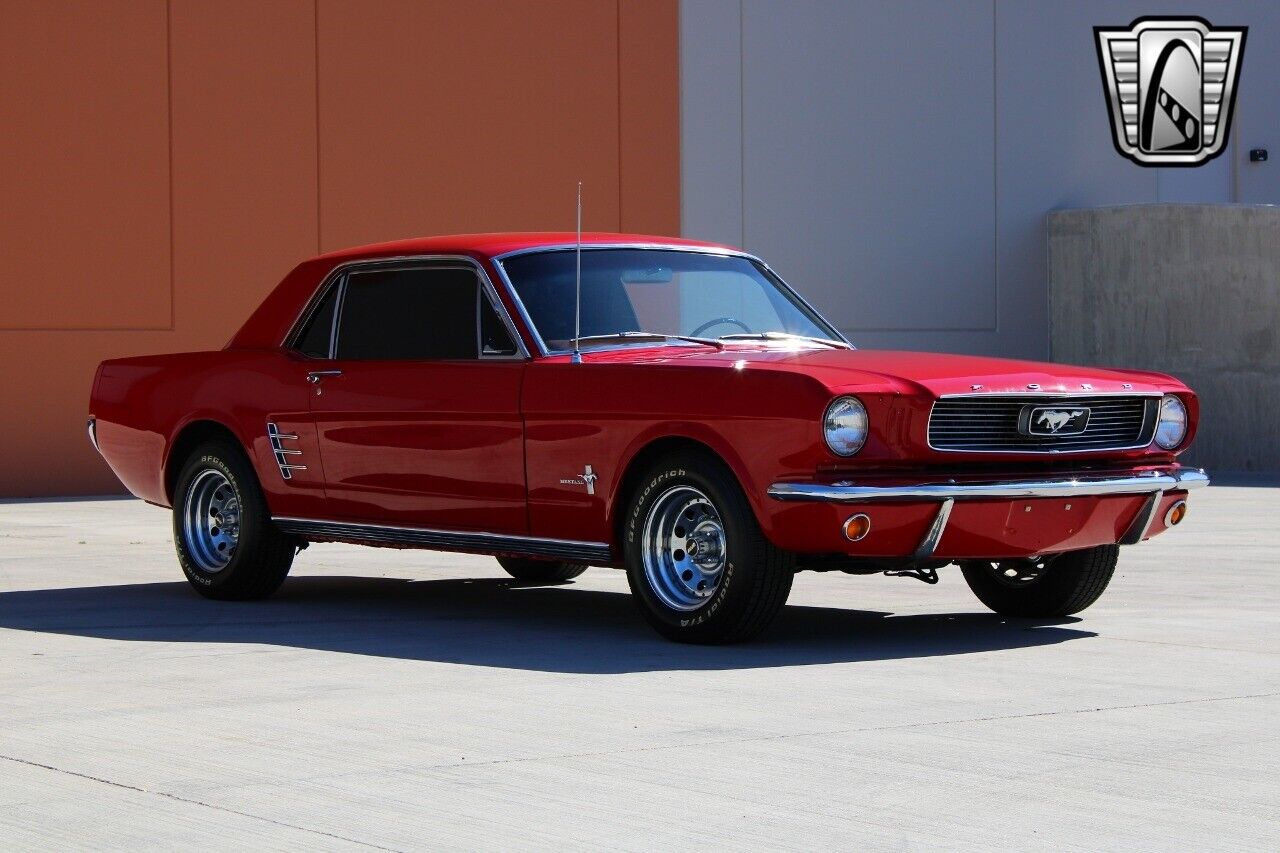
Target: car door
{"points": [[418, 408]]}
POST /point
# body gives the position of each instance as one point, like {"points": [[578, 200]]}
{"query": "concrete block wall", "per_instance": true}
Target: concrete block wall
{"points": [[1187, 289]]}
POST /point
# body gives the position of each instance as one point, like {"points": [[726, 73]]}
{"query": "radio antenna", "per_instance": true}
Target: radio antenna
{"points": [[576, 358]]}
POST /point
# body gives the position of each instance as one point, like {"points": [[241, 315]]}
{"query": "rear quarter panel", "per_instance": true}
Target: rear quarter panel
{"points": [[143, 404]]}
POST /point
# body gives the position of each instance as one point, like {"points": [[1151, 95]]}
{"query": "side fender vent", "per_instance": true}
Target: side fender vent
{"points": [[283, 453]]}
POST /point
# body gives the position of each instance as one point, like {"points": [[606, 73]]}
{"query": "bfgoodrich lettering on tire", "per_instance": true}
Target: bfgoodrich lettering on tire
{"points": [[227, 546], [697, 563]]}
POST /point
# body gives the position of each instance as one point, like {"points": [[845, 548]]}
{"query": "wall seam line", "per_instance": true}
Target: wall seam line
{"points": [[995, 166], [315, 21], [168, 48], [742, 123], [679, 183], [617, 55]]}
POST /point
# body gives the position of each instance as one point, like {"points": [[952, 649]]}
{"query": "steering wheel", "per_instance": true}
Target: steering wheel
{"points": [[717, 321]]}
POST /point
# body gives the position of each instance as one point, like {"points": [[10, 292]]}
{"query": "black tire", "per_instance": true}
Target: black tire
{"points": [[1065, 585], [262, 554], [540, 571], [755, 579]]}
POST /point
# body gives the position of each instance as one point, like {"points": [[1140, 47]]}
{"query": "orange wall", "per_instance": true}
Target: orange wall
{"points": [[164, 164]]}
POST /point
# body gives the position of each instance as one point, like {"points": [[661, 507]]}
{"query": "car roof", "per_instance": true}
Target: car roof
{"points": [[275, 315], [491, 245]]}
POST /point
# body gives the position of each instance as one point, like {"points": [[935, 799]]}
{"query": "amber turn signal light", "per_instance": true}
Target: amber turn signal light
{"points": [[1176, 513], [857, 527]]}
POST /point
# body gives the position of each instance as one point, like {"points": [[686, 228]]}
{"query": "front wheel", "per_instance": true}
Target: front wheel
{"points": [[1061, 586], [697, 562], [226, 543]]}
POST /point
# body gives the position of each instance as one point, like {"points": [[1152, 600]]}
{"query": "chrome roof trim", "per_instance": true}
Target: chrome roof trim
{"points": [[587, 247]]}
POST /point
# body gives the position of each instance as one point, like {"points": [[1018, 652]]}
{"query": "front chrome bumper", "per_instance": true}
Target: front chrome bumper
{"points": [[1122, 484], [1153, 483]]}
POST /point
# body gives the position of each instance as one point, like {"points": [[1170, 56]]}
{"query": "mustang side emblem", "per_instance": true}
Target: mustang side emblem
{"points": [[1047, 420], [587, 478]]}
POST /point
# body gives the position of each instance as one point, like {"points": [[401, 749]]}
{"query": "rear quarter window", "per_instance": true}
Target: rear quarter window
{"points": [[317, 332]]}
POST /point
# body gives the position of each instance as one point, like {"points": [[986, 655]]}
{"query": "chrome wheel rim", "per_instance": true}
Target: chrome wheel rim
{"points": [[211, 521], [684, 548], [1017, 573]]}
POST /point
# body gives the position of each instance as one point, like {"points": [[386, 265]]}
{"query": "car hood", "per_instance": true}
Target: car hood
{"points": [[907, 372], [942, 374]]}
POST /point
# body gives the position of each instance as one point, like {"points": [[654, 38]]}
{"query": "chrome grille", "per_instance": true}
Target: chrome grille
{"points": [[996, 423]]}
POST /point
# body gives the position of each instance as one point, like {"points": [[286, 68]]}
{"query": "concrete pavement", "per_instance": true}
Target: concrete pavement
{"points": [[406, 700]]}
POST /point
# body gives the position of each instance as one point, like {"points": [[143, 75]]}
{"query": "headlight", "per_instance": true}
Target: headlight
{"points": [[1172, 427], [845, 426]]}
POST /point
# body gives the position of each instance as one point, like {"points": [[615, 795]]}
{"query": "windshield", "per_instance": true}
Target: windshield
{"points": [[657, 291]]}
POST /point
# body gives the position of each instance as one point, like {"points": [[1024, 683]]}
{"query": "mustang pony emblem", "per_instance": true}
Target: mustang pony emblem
{"points": [[1050, 421], [1057, 420]]}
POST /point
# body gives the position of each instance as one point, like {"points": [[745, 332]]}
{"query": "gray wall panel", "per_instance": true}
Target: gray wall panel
{"points": [[1053, 147], [896, 161], [852, 151], [711, 120], [1258, 104]]}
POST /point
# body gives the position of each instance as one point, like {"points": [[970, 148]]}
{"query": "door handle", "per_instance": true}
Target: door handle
{"points": [[315, 376]]}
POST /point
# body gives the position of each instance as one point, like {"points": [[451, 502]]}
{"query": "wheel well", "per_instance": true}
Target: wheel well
{"points": [[647, 456], [192, 436]]}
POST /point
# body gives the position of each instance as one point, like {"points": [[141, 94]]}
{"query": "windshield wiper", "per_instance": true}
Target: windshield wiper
{"points": [[783, 336], [653, 336]]}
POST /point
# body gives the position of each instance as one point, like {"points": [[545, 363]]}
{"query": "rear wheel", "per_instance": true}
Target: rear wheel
{"points": [[540, 571], [1045, 588], [227, 546], [697, 563]]}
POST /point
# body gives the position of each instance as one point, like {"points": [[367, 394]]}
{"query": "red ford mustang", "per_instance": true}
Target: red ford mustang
{"points": [[714, 436]]}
